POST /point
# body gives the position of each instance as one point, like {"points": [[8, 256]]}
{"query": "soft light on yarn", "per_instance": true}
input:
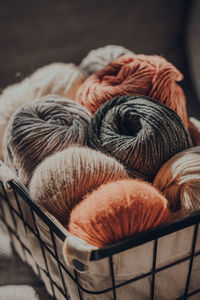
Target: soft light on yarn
{"points": [[118, 210], [41, 128], [146, 75], [97, 59], [56, 78], [179, 180], [194, 129], [140, 133], [63, 179]]}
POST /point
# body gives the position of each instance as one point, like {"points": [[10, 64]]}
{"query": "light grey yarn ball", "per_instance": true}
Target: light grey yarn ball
{"points": [[99, 58], [41, 128]]}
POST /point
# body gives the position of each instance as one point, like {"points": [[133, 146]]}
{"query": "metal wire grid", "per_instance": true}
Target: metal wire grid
{"points": [[17, 214]]}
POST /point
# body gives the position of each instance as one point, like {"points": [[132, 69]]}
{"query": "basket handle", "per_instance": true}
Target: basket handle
{"points": [[194, 129], [7, 175], [77, 253]]}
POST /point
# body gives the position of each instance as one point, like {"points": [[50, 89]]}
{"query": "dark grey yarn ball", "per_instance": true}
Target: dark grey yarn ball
{"points": [[41, 128], [139, 132]]}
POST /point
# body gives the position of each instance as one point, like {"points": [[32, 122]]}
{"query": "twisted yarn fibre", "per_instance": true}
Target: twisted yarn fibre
{"points": [[118, 210], [194, 129], [63, 179], [41, 128], [56, 78], [179, 180], [139, 132], [97, 59], [144, 75]]}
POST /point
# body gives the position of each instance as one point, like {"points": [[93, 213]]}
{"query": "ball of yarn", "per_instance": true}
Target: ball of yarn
{"points": [[56, 78], [118, 210], [63, 179], [41, 128], [179, 180], [146, 75], [99, 58], [194, 129], [140, 133]]}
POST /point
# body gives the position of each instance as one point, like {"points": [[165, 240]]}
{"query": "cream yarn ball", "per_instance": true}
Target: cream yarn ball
{"points": [[179, 180], [63, 179], [194, 129], [41, 128], [97, 59], [57, 78]]}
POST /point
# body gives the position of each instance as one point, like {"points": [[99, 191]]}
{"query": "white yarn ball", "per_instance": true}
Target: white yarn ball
{"points": [[99, 58]]}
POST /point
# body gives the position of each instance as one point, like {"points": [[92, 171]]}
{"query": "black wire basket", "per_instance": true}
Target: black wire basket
{"points": [[160, 264]]}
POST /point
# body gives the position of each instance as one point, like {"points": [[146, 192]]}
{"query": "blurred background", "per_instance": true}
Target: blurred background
{"points": [[34, 33]]}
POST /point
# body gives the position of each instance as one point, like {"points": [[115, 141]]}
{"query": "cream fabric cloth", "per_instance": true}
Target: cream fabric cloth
{"points": [[17, 292], [13, 292], [5, 244]]}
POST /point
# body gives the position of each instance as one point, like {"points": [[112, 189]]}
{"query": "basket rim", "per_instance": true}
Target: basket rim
{"points": [[107, 251]]}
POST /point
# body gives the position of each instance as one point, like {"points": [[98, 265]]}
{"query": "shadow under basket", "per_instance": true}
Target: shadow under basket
{"points": [[160, 264]]}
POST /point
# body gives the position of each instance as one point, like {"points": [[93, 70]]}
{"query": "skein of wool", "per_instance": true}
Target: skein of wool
{"points": [[118, 210], [139, 132], [41, 128], [56, 78], [63, 179], [194, 129], [143, 75], [179, 180], [97, 59]]}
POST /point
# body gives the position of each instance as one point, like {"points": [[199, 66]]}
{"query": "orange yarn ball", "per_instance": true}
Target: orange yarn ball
{"points": [[146, 75], [118, 210]]}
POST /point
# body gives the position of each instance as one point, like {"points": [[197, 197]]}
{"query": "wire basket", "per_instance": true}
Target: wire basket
{"points": [[161, 264]]}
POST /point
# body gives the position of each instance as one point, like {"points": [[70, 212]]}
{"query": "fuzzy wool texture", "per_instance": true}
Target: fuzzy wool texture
{"points": [[97, 59], [118, 210], [179, 180], [145, 75], [139, 132], [41, 128], [194, 128], [63, 179], [56, 78]]}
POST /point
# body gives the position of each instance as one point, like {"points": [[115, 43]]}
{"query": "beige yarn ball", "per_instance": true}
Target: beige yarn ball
{"points": [[63, 179], [179, 180], [41, 128], [57, 78]]}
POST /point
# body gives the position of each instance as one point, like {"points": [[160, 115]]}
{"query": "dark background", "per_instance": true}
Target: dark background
{"points": [[34, 33]]}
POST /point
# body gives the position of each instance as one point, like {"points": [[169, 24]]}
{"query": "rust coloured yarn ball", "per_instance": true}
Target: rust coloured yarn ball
{"points": [[41, 128], [63, 179], [179, 180], [140, 133], [118, 210], [148, 75]]}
